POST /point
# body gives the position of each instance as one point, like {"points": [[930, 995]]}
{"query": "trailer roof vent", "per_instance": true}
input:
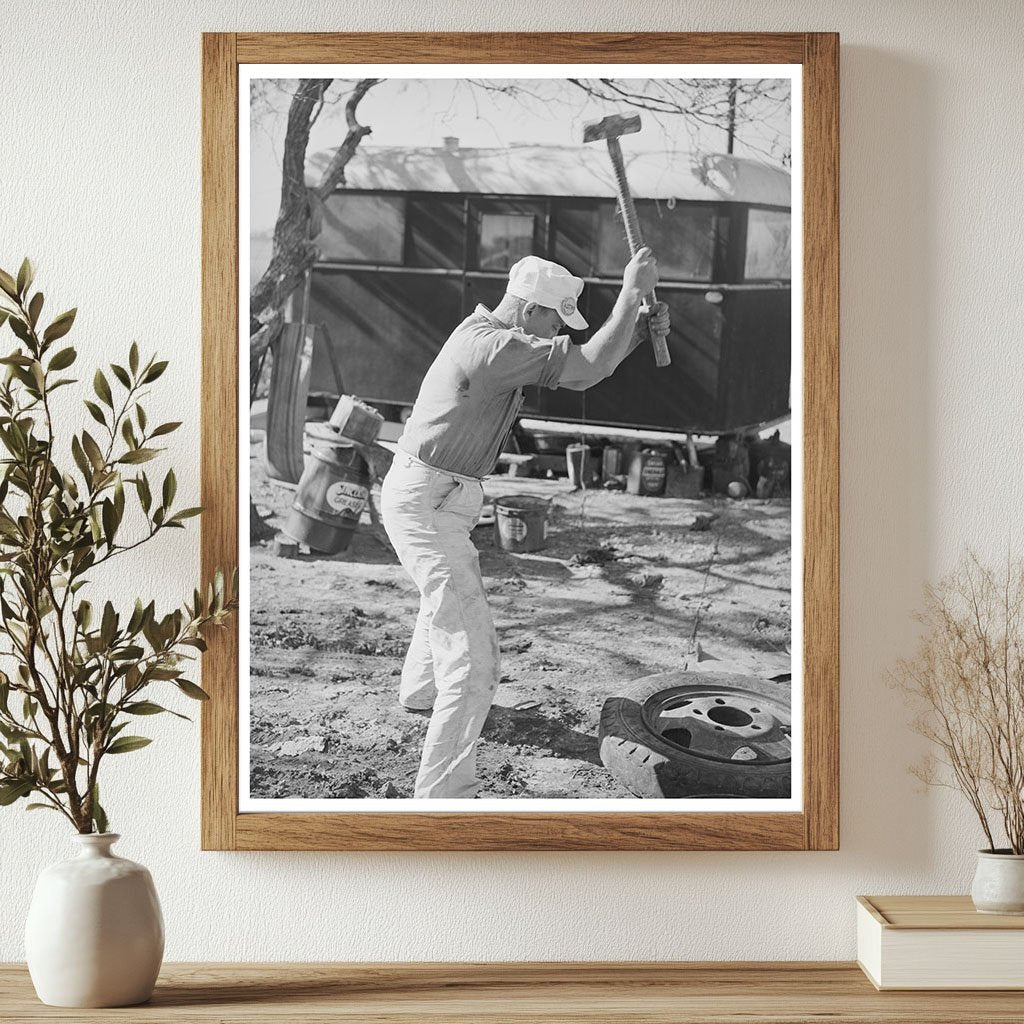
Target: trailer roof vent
{"points": [[451, 143]]}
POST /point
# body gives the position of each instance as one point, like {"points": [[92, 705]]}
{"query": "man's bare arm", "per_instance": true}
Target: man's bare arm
{"points": [[587, 364], [611, 343]]}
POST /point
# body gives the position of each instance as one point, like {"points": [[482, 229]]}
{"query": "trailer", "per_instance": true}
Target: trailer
{"points": [[419, 236]]}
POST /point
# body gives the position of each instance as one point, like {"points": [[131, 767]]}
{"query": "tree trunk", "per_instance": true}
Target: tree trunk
{"points": [[298, 221], [293, 251]]}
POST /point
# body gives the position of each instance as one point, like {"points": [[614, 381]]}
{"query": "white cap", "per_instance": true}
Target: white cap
{"points": [[549, 285]]}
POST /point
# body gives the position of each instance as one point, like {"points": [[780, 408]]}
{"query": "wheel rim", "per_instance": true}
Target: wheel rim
{"points": [[722, 723]]}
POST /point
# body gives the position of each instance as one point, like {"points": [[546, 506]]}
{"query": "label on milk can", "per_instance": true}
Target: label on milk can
{"points": [[516, 528], [346, 497], [652, 474]]}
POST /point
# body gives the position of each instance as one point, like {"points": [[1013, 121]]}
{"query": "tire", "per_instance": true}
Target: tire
{"points": [[286, 403], [656, 763]]}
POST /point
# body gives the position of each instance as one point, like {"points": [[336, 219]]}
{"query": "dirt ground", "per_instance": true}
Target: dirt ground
{"points": [[614, 596]]}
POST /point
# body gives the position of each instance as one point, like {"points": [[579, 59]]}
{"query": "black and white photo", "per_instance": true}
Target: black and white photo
{"points": [[522, 374]]}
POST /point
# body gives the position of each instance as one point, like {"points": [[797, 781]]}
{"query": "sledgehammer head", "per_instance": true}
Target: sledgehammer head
{"points": [[611, 127]]}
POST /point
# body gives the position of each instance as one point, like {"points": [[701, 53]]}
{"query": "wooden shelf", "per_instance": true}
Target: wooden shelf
{"points": [[523, 993]]}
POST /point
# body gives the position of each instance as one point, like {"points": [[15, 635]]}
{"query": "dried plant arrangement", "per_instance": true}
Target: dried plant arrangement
{"points": [[967, 682], [80, 670]]}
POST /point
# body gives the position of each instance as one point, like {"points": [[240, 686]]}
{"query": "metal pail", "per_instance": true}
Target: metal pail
{"points": [[520, 522]]}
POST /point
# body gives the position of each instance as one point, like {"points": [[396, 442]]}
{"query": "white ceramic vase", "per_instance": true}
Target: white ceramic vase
{"points": [[999, 883], [95, 933]]}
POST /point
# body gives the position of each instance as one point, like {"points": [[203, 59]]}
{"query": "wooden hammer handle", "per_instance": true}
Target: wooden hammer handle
{"points": [[658, 341], [635, 239]]}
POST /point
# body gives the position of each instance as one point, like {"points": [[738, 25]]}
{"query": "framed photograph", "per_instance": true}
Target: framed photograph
{"points": [[520, 421]]}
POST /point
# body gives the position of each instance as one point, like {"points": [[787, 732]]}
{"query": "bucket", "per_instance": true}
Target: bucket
{"points": [[577, 460], [329, 501], [520, 522]]}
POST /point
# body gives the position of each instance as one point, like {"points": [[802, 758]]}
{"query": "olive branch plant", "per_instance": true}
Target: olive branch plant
{"points": [[79, 673], [966, 680]]}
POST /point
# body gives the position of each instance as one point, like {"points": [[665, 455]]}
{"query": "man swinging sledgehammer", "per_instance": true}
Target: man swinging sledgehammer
{"points": [[433, 493]]}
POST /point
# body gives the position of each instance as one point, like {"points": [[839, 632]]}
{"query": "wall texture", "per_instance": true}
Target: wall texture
{"points": [[100, 183]]}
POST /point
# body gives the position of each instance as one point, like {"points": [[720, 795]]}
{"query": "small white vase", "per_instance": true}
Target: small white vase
{"points": [[999, 883], [95, 933]]}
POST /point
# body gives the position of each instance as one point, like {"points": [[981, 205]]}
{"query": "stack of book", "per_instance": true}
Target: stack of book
{"points": [[938, 942]]}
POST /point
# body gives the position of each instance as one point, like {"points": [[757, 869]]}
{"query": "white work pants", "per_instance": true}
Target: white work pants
{"points": [[452, 664]]}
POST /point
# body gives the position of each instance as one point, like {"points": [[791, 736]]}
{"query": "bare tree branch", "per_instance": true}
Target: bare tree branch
{"points": [[967, 680], [293, 251]]}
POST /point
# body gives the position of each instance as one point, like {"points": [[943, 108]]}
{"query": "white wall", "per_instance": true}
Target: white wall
{"points": [[100, 183]]}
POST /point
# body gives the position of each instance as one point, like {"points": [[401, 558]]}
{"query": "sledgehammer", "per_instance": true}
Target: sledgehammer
{"points": [[610, 128]]}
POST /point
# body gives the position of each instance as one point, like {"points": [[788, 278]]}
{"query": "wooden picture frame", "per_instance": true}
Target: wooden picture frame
{"points": [[813, 828]]}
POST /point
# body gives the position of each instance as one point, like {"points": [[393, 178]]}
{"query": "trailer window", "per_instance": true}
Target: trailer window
{"points": [[768, 246], [575, 236], [683, 239], [362, 228], [436, 232], [505, 238]]}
